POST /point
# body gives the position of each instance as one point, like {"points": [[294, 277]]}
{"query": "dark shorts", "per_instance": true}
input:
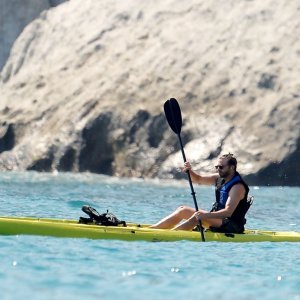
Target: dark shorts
{"points": [[228, 226]]}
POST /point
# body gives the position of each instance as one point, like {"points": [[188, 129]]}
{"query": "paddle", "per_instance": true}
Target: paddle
{"points": [[174, 118]]}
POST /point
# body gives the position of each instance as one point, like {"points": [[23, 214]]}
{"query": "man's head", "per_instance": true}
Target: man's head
{"points": [[227, 165]]}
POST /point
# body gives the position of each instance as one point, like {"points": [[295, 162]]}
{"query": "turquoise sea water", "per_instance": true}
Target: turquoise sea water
{"points": [[34, 267]]}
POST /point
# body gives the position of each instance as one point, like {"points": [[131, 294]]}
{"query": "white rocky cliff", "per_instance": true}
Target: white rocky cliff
{"points": [[85, 82], [14, 16]]}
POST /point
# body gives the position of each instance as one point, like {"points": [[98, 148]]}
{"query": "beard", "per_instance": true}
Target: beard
{"points": [[224, 174]]}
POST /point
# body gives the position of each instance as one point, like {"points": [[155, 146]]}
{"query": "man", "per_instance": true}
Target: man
{"points": [[229, 210]]}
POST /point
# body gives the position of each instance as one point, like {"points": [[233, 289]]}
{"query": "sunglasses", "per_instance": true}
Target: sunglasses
{"points": [[219, 167]]}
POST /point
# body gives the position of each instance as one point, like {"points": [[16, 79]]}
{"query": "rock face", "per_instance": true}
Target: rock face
{"points": [[85, 83], [14, 16]]}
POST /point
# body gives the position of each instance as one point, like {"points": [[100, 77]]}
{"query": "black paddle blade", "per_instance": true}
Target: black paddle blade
{"points": [[173, 115]]}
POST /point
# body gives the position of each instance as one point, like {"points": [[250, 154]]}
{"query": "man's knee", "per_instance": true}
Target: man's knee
{"points": [[181, 208], [184, 211]]}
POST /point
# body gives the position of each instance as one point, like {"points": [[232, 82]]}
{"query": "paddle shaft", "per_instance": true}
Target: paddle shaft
{"points": [[199, 226]]}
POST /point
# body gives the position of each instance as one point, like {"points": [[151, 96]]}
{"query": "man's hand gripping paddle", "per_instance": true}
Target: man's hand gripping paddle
{"points": [[174, 118]]}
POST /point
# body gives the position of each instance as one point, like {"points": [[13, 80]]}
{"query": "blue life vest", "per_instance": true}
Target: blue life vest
{"points": [[222, 193]]}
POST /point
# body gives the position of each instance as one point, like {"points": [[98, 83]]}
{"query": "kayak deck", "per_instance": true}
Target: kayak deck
{"points": [[133, 232]]}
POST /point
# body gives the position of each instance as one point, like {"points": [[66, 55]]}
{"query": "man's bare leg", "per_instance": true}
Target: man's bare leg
{"points": [[192, 222], [169, 222]]}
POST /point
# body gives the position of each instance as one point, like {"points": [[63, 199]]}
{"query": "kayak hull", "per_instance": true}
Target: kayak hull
{"points": [[133, 232]]}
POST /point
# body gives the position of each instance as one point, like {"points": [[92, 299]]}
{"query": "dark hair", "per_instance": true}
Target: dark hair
{"points": [[231, 160]]}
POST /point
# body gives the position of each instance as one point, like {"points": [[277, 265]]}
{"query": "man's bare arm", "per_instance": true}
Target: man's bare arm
{"points": [[236, 194], [208, 179]]}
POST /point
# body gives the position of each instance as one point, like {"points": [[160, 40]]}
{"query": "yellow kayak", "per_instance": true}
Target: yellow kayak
{"points": [[133, 232]]}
